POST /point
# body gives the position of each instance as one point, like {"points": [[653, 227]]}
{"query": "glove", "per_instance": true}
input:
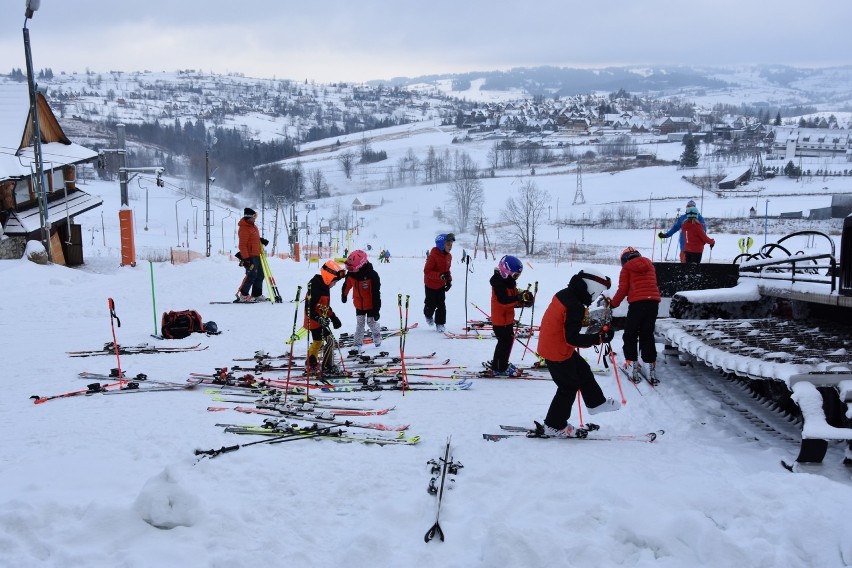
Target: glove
{"points": [[343, 296], [525, 298], [447, 286], [374, 314], [607, 334], [263, 241], [446, 277], [712, 243], [239, 257], [248, 264], [335, 322], [661, 234]]}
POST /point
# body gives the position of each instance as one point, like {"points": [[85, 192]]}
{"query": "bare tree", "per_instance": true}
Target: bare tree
{"points": [[524, 213], [316, 179], [466, 190], [494, 155], [347, 163]]}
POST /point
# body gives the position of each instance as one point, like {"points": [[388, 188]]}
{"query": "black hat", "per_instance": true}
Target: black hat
{"points": [[248, 212]]}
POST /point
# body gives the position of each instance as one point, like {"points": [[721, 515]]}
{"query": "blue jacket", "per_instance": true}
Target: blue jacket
{"points": [[676, 227]]}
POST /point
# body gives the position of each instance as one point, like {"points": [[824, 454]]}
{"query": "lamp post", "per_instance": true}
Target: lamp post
{"points": [[766, 223], [263, 208], [211, 141], [38, 163]]}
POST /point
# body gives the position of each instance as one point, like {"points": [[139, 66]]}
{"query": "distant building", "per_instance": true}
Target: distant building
{"points": [[793, 142]]}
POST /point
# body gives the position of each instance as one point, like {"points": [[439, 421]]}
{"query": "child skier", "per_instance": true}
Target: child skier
{"points": [[318, 313], [638, 283], [505, 297], [678, 224], [365, 284], [438, 280], [694, 236], [558, 340]]}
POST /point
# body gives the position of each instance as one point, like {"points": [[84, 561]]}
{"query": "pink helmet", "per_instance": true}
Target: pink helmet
{"points": [[355, 260]]}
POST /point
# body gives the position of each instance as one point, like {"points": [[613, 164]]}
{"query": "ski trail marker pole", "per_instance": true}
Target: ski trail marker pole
{"points": [[154, 300], [292, 342]]}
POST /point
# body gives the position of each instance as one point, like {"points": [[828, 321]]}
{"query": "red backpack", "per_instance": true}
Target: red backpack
{"points": [[177, 325]]}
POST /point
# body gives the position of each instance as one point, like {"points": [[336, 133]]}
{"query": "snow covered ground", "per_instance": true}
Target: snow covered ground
{"points": [[81, 475]]}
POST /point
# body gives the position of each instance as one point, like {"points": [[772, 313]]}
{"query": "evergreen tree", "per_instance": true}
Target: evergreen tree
{"points": [[778, 119], [689, 158]]}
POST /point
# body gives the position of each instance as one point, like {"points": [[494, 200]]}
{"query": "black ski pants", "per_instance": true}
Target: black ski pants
{"points": [[505, 338], [570, 376], [641, 318], [435, 305], [253, 280]]}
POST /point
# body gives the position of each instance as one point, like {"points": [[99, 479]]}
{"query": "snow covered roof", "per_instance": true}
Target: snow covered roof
{"points": [[27, 221]]}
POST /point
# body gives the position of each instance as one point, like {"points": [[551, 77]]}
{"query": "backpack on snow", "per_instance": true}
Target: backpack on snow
{"points": [[177, 325]]}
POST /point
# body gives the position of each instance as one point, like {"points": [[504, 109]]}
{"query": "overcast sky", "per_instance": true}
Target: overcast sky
{"points": [[360, 40]]}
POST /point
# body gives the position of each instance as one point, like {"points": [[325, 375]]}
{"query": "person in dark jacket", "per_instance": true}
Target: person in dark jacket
{"points": [[638, 283], [365, 284], [318, 314], [505, 297], [558, 342], [250, 242], [438, 280]]}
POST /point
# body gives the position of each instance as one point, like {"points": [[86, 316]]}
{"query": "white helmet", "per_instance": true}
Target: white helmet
{"points": [[596, 281]]}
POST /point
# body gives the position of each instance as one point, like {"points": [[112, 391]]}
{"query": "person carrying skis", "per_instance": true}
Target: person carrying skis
{"points": [[250, 242], [694, 237], [638, 283], [438, 280], [558, 341], [505, 297], [677, 227], [318, 313], [365, 284]]}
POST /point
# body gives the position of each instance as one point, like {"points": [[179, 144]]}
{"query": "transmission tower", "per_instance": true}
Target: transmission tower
{"points": [[578, 196]]}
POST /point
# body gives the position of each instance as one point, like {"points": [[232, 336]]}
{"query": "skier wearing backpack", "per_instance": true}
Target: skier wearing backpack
{"points": [[558, 341], [318, 314], [250, 242], [505, 297], [365, 284], [438, 280]]}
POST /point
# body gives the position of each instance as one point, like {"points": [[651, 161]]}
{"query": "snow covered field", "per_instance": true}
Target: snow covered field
{"points": [[81, 475]]}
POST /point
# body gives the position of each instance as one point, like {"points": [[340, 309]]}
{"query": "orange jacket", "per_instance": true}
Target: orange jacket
{"points": [[317, 303], [366, 289], [560, 335], [249, 238], [637, 281]]}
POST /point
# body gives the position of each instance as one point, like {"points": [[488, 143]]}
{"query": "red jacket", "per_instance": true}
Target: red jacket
{"points": [[366, 289], [504, 299], [249, 238], [437, 263], [317, 303], [637, 281], [694, 237]]}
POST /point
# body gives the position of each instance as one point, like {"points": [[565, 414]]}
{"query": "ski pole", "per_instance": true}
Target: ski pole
{"points": [[276, 440], [404, 341], [580, 407], [292, 340], [668, 248], [532, 320], [153, 299], [114, 318], [617, 379], [466, 261]]}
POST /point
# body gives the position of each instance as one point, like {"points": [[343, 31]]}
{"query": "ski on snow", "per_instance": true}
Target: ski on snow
{"points": [[579, 434]]}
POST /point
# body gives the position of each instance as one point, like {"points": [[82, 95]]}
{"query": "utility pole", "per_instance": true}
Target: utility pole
{"points": [[38, 162]]}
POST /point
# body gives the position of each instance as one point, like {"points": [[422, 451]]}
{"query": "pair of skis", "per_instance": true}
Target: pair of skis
{"points": [[439, 483], [584, 433]]}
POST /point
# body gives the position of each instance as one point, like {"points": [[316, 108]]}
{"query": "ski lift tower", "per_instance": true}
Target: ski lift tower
{"points": [[578, 195]]}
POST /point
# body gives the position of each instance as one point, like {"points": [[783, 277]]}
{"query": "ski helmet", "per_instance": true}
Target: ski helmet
{"points": [[596, 281], [690, 203], [355, 260], [443, 238], [692, 212], [211, 327], [628, 254], [331, 272], [510, 266]]}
